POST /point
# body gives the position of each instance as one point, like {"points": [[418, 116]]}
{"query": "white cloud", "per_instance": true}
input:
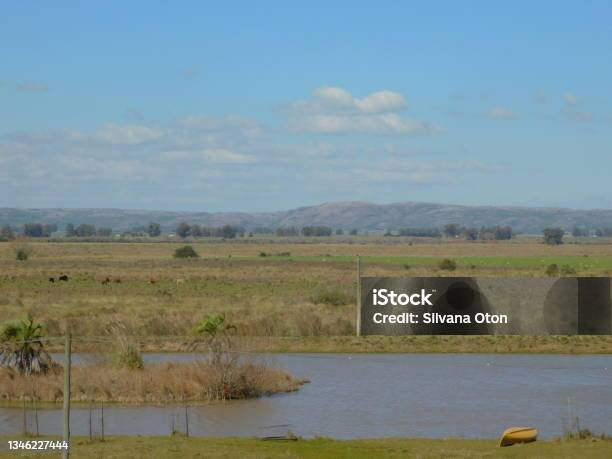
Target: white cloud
{"points": [[501, 113], [127, 135], [377, 102], [573, 110], [570, 99], [407, 171], [225, 156], [125, 152], [334, 110], [218, 160], [381, 124], [210, 155]]}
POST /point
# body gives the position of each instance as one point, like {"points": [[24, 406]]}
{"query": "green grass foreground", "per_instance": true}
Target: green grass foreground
{"points": [[179, 447]]}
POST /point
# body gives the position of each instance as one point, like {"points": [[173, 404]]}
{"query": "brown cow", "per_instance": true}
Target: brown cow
{"points": [[63, 277]]}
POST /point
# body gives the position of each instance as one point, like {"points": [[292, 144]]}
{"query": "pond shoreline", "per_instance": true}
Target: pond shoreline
{"points": [[434, 344]]}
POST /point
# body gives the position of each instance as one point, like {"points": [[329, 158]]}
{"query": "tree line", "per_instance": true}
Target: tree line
{"points": [[583, 231], [304, 231], [452, 230], [552, 235], [226, 231]]}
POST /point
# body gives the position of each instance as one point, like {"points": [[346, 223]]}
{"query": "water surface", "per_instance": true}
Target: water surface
{"points": [[378, 395]]}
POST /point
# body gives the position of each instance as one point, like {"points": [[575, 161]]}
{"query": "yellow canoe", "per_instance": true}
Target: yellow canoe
{"points": [[514, 435]]}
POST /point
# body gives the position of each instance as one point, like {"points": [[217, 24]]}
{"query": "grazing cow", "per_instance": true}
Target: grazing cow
{"points": [[52, 279], [105, 281], [179, 281], [63, 277], [117, 280], [152, 281]]}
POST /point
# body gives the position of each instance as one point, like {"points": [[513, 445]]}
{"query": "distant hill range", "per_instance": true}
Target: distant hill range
{"points": [[363, 216]]}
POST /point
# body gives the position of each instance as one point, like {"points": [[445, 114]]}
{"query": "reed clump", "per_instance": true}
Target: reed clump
{"points": [[158, 383]]}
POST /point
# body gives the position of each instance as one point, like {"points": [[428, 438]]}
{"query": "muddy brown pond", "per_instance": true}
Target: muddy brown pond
{"points": [[377, 395]]}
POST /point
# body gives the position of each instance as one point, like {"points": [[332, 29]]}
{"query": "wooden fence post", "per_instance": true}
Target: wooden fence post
{"points": [[66, 410], [358, 315]]}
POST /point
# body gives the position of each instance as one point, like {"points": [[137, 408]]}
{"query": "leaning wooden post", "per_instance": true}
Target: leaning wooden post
{"points": [[358, 315], [186, 422], [67, 356], [24, 416]]}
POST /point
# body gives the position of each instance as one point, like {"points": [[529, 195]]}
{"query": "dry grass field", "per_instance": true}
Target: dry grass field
{"points": [[267, 287]]}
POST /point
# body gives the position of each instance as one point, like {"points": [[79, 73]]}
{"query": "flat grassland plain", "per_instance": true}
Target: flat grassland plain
{"points": [[282, 294], [321, 448]]}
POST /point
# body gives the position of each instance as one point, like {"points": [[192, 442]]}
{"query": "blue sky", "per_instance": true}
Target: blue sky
{"points": [[259, 106]]}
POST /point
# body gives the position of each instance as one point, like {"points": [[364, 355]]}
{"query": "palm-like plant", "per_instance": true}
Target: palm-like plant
{"points": [[22, 347], [217, 335]]}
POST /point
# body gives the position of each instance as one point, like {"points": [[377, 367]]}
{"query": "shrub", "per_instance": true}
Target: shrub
{"points": [[124, 353], [553, 236], [185, 252], [447, 264], [552, 270], [128, 356], [22, 254], [332, 298], [567, 270]]}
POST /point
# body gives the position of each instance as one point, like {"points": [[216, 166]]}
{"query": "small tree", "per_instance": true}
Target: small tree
{"points": [[33, 229], [183, 230], [104, 232], [451, 230], [6, 232], [216, 332], [49, 229], [154, 229], [228, 232], [580, 231], [22, 348], [85, 230], [70, 230], [470, 234], [553, 236], [186, 251]]}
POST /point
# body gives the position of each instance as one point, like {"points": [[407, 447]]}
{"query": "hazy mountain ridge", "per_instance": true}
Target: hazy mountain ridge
{"points": [[363, 216]]}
